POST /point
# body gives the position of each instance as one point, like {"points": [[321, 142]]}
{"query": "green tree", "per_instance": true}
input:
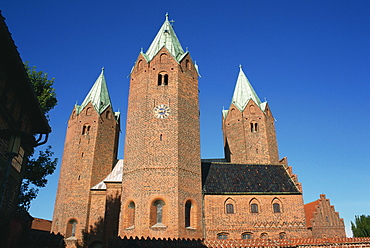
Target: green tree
{"points": [[42, 165], [43, 87], [361, 226]]}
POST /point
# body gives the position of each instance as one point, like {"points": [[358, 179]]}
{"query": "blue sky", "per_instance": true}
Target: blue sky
{"points": [[309, 59]]}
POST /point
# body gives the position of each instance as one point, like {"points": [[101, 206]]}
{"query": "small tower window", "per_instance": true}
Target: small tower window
{"points": [[109, 115], [165, 81], [86, 129], [159, 79], [88, 111], [282, 235], [188, 64], [162, 79], [229, 208], [254, 127]]}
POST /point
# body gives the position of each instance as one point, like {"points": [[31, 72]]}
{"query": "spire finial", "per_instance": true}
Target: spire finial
{"points": [[166, 16], [240, 66], [102, 69]]}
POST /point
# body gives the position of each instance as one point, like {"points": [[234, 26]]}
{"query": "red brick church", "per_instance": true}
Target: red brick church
{"points": [[162, 188]]}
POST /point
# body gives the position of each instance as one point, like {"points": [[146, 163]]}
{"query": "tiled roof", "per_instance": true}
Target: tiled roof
{"points": [[306, 242], [114, 176], [118, 242], [41, 224], [226, 178], [310, 209]]}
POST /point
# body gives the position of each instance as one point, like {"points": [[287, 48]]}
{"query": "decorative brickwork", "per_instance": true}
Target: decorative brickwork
{"points": [[290, 218], [322, 220]]}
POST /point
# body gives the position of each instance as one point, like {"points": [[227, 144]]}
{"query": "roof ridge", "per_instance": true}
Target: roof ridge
{"points": [[244, 92], [98, 95], [166, 37]]}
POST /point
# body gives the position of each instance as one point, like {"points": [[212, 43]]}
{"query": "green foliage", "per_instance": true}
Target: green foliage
{"points": [[361, 226], [35, 176], [43, 87], [38, 167]]}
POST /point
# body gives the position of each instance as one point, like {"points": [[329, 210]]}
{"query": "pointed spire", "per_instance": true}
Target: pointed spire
{"points": [[98, 95], [244, 92], [165, 37]]}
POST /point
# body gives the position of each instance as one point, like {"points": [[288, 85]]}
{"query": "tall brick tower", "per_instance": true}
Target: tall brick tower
{"points": [[248, 127], [90, 150], [161, 194]]}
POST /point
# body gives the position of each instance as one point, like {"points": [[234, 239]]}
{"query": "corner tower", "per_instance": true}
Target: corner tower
{"points": [[90, 151], [161, 195], [248, 127]]}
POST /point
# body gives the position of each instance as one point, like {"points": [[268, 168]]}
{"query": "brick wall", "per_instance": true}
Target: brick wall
{"points": [[249, 144], [322, 220], [290, 220], [162, 155], [89, 154]]}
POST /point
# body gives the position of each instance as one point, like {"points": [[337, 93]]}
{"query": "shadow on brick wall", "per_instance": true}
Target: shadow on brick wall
{"points": [[153, 242], [105, 228]]}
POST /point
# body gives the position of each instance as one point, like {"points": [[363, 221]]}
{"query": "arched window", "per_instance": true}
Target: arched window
{"points": [[139, 65], [247, 235], [282, 235], [254, 208], [86, 129], [188, 65], [71, 228], [188, 207], [131, 214], [162, 79], [276, 207], [159, 79], [108, 115], [88, 111], [165, 79], [252, 109], [254, 127], [222, 235], [163, 58], [229, 208], [264, 236], [157, 212]]}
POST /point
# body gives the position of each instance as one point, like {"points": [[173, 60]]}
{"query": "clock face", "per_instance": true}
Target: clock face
{"points": [[161, 111]]}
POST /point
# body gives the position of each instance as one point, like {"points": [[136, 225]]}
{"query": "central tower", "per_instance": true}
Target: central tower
{"points": [[161, 192]]}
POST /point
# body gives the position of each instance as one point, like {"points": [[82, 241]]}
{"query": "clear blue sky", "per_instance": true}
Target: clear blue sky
{"points": [[309, 59]]}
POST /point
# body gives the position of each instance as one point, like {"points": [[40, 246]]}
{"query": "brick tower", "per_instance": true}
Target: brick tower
{"points": [[90, 150], [161, 194], [248, 127]]}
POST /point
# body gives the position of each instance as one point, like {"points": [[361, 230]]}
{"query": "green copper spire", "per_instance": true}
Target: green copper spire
{"points": [[98, 95], [165, 37], [243, 93]]}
